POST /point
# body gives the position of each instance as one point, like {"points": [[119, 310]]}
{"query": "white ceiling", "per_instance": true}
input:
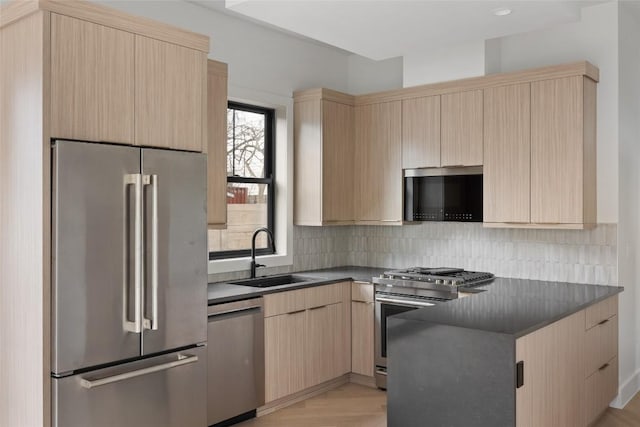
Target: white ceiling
{"points": [[381, 29]]}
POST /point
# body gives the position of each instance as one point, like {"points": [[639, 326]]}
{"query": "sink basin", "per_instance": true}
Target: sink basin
{"points": [[269, 281]]}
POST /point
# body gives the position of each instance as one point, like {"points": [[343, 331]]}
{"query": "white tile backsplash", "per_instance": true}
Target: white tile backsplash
{"points": [[581, 256]]}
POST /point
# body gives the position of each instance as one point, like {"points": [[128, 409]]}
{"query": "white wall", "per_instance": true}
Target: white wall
{"points": [[439, 65], [366, 75], [629, 212], [594, 38]]}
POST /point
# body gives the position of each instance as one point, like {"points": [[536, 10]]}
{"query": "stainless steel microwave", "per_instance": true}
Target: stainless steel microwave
{"points": [[443, 194]]}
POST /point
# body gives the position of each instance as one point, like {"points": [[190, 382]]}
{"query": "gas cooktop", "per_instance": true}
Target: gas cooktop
{"points": [[453, 277]]}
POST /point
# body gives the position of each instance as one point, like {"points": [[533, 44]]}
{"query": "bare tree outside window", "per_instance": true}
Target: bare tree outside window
{"points": [[245, 144], [249, 182]]}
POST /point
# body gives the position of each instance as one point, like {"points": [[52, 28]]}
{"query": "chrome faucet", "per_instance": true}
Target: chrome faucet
{"points": [[253, 249]]}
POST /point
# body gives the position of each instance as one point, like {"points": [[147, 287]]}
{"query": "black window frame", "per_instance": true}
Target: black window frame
{"points": [[269, 179]]}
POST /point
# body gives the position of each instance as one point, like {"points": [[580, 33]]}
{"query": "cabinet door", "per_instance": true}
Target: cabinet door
{"points": [[462, 129], [91, 81], [285, 361], [553, 390], [324, 348], [557, 151], [378, 181], [421, 132], [507, 154], [307, 167], [170, 102], [362, 338], [217, 144], [337, 162]]}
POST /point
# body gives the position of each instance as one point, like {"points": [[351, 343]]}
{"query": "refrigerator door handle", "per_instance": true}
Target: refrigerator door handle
{"points": [[136, 325], [152, 323], [182, 360]]}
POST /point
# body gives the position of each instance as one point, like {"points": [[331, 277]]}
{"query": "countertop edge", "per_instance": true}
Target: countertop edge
{"points": [[259, 292]]}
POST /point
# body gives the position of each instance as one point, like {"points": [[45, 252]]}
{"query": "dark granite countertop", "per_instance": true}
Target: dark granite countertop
{"points": [[508, 306], [220, 292], [513, 306]]}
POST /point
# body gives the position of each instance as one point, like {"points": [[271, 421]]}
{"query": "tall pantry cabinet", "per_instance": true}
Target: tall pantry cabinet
{"points": [[74, 70]]}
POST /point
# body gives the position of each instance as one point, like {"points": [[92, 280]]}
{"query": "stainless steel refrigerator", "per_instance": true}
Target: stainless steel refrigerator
{"points": [[129, 298]]}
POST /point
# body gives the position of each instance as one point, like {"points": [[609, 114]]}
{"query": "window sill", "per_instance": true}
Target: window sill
{"points": [[239, 264]]}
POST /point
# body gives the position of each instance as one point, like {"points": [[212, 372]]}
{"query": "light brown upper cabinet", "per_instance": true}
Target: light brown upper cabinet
{"points": [[540, 154], [378, 163], [507, 154], [461, 140], [532, 131], [217, 144], [170, 95], [116, 86], [563, 151], [92, 81], [324, 150], [421, 132]]}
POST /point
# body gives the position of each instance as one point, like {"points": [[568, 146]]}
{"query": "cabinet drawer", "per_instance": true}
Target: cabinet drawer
{"points": [[601, 344], [601, 311], [362, 291], [600, 389], [323, 295], [284, 302]]}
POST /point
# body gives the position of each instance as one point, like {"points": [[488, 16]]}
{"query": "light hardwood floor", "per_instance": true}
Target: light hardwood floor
{"points": [[627, 417], [353, 405], [350, 405]]}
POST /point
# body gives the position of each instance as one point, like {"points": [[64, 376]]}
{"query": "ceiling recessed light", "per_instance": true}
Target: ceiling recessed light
{"points": [[502, 11]]}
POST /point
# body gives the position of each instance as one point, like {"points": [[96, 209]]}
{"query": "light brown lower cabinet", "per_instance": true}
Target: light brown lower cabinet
{"points": [[362, 324], [600, 389], [566, 380], [284, 338], [324, 347], [601, 365], [307, 332], [362, 338]]}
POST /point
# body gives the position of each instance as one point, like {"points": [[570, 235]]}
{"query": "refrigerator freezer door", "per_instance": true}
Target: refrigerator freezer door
{"points": [[164, 391], [93, 222], [175, 297]]}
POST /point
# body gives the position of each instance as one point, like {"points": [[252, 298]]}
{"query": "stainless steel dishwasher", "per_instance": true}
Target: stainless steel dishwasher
{"points": [[235, 361]]}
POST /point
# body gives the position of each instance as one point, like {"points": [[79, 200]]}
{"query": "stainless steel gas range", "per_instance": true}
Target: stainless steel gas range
{"points": [[397, 291]]}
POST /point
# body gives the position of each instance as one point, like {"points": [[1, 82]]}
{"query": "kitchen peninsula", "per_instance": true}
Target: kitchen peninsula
{"points": [[499, 357]]}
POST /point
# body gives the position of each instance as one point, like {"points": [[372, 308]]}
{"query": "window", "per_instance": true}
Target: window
{"points": [[250, 189]]}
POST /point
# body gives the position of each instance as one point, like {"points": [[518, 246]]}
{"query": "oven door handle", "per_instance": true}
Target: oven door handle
{"points": [[412, 303]]}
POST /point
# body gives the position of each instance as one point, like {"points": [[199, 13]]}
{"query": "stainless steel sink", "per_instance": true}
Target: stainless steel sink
{"points": [[269, 281]]}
